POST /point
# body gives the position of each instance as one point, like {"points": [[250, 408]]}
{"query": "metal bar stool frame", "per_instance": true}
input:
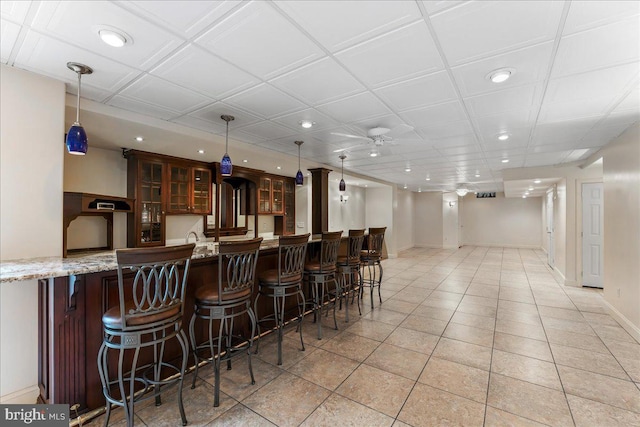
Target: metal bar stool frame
{"points": [[225, 300], [371, 260], [151, 318], [348, 268], [285, 281], [319, 273]]}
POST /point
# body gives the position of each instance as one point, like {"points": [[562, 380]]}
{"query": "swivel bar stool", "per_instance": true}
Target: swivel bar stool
{"points": [[283, 282], [348, 268], [224, 301], [370, 259], [322, 271], [149, 313]]}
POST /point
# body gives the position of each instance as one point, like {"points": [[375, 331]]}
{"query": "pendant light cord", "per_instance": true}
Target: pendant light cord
{"points": [[226, 144], [78, 100]]}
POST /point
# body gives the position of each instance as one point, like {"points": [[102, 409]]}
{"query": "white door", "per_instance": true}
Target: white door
{"points": [[550, 242], [592, 238]]}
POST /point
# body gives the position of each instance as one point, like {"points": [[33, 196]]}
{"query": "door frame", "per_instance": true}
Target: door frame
{"points": [[551, 250], [579, 230]]}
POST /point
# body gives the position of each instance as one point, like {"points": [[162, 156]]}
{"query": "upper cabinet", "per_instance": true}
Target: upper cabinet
{"points": [[189, 190], [271, 196]]}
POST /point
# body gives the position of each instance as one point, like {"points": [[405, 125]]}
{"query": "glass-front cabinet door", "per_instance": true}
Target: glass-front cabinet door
{"points": [[201, 184], [277, 194], [179, 196], [264, 196], [150, 212]]}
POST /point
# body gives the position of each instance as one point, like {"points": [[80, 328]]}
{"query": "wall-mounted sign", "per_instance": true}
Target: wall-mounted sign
{"points": [[485, 195]]}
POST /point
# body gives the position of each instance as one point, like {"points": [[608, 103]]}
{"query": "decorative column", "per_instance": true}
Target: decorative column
{"points": [[319, 200]]}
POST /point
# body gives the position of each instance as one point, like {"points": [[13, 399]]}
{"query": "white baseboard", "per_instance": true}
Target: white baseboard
{"points": [[633, 330], [391, 256], [573, 283], [428, 246], [502, 245], [449, 246], [558, 275], [27, 396]]}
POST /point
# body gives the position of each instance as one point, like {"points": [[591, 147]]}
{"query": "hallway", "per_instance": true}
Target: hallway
{"points": [[475, 336]]}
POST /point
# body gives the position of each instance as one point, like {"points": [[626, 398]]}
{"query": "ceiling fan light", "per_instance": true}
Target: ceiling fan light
{"points": [[462, 192]]}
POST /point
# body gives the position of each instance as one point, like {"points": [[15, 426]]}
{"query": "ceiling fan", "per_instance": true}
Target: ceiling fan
{"points": [[378, 135]]}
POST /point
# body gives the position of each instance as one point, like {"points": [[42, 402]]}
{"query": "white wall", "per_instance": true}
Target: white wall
{"points": [[500, 221], [427, 219], [403, 208], [450, 221], [349, 215], [621, 163], [31, 163], [379, 213], [560, 226]]}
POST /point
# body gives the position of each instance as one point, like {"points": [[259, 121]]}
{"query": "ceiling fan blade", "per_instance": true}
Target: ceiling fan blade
{"points": [[348, 135], [352, 148], [399, 130]]}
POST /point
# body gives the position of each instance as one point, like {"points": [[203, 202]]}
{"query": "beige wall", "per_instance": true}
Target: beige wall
{"points": [[560, 228], [349, 215], [427, 219], [500, 221], [403, 219], [621, 163], [31, 158], [450, 221], [379, 213]]}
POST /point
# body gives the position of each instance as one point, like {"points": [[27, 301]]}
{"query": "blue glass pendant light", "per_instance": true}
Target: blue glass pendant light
{"points": [[299, 176], [226, 167], [343, 185], [76, 140]]}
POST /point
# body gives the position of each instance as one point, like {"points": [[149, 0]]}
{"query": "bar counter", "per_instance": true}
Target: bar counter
{"points": [[74, 292]]}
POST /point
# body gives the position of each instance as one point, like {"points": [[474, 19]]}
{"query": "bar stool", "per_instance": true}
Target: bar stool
{"points": [[348, 268], [149, 313], [283, 282], [320, 272], [224, 301], [370, 259]]}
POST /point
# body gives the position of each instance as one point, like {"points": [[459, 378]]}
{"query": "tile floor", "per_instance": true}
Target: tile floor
{"points": [[472, 337]]}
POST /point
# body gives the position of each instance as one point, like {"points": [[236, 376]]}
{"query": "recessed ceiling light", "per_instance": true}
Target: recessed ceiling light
{"points": [[428, 179], [503, 136], [477, 175], [201, 151], [139, 138], [419, 190], [537, 181], [526, 193], [530, 188], [405, 186], [407, 169], [501, 75], [374, 152], [505, 160], [113, 37], [245, 161], [278, 167], [306, 123], [524, 197]]}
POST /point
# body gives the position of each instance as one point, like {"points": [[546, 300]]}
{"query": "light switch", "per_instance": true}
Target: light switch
{"points": [[300, 224]]}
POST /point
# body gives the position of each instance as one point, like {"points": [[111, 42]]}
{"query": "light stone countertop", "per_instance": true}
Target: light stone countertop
{"points": [[45, 267]]}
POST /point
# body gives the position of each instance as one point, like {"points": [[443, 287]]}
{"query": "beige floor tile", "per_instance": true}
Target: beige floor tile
{"points": [[424, 324], [483, 291], [339, 411], [413, 340], [586, 360], [386, 316], [482, 322], [465, 353], [524, 346], [291, 351], [477, 309], [462, 380], [517, 316], [519, 307], [498, 418], [352, 346], [443, 314], [613, 332], [428, 406], [478, 300], [600, 319], [582, 327], [587, 413], [528, 400], [624, 349], [585, 342], [561, 313], [612, 391], [469, 334], [280, 402], [377, 331], [239, 415], [440, 303], [525, 368], [398, 360], [116, 419], [631, 366], [380, 390], [521, 329], [400, 306], [324, 368]]}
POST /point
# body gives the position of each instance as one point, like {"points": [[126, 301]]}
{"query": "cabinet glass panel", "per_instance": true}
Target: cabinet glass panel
{"points": [[277, 192], [289, 208], [151, 203], [201, 191], [179, 182], [264, 196]]}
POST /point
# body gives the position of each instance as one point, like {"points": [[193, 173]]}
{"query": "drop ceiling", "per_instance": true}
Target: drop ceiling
{"points": [[350, 66]]}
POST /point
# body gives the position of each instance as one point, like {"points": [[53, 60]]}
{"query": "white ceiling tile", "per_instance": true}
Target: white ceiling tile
{"points": [[454, 141], [265, 101], [354, 108], [607, 133], [442, 113], [14, 11], [621, 117], [587, 14], [477, 29], [421, 91], [142, 107], [571, 110], [49, 56], [155, 91], [408, 52], [266, 131], [80, 21], [8, 36], [197, 69], [434, 6], [340, 24], [320, 121], [248, 36], [631, 101], [516, 124], [550, 158], [319, 82], [451, 130], [548, 148], [599, 47], [555, 132], [530, 64], [205, 125], [518, 98], [188, 21], [212, 113]]}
